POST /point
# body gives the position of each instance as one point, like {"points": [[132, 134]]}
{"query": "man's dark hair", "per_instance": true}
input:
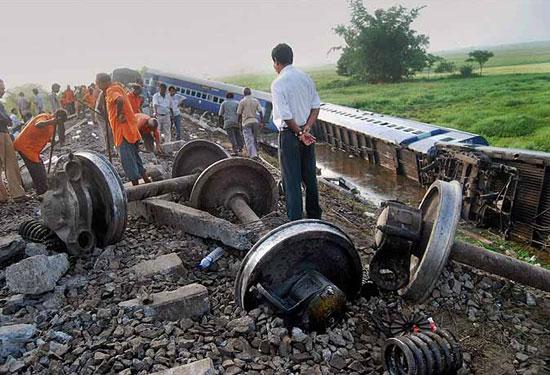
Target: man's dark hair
{"points": [[229, 95], [55, 86], [35, 91], [247, 91], [21, 94], [162, 85], [103, 77], [171, 88], [61, 115], [282, 53]]}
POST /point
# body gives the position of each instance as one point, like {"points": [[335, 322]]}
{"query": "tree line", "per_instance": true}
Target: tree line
{"points": [[383, 47]]}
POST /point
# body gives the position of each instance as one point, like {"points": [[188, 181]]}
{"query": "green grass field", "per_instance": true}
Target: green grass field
{"points": [[505, 55], [510, 105]]}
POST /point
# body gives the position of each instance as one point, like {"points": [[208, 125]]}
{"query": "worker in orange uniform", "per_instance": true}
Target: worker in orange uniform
{"points": [[124, 125], [89, 98], [68, 99], [149, 129], [135, 97], [32, 140]]}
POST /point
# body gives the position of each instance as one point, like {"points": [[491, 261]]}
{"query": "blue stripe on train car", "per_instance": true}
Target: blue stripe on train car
{"points": [[425, 135]]}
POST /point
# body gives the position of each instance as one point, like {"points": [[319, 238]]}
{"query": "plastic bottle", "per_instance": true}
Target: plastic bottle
{"points": [[211, 258]]}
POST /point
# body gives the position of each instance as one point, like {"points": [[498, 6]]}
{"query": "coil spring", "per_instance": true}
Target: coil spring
{"points": [[37, 231], [422, 353]]}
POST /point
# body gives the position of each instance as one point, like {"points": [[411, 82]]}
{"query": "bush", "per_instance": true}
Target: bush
{"points": [[445, 67], [466, 71]]}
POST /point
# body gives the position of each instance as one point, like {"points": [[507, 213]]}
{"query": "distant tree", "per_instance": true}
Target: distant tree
{"points": [[466, 71], [381, 47], [430, 61], [480, 57], [445, 66]]}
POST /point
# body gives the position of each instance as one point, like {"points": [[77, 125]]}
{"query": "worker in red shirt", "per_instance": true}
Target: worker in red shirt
{"points": [[32, 140], [149, 129], [68, 99], [135, 97]]}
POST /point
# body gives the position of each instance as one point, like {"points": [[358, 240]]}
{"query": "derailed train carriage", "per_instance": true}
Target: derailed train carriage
{"points": [[505, 189]]}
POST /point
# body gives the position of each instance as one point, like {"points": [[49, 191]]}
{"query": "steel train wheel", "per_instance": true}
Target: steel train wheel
{"points": [[108, 197], [292, 247], [194, 156], [226, 178], [440, 213]]}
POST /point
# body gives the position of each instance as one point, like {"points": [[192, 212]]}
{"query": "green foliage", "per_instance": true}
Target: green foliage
{"points": [[466, 71], [12, 94], [445, 66], [481, 57], [381, 47]]}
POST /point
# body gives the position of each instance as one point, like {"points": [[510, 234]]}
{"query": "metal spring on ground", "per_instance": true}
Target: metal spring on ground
{"points": [[37, 231], [422, 353]]}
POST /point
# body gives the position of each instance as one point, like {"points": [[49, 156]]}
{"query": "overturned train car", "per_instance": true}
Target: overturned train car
{"points": [[398, 144], [505, 189]]}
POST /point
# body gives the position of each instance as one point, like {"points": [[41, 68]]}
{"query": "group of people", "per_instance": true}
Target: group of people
{"points": [[240, 120], [295, 109], [29, 143]]}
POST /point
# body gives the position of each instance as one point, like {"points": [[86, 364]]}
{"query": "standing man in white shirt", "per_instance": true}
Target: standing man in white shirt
{"points": [[176, 101], [161, 111], [295, 109]]}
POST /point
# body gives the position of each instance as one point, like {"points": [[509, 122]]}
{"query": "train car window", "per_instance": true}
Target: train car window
{"points": [[392, 126], [446, 139], [204, 96], [209, 98], [198, 94], [215, 100], [417, 132], [192, 92], [221, 100], [399, 128]]}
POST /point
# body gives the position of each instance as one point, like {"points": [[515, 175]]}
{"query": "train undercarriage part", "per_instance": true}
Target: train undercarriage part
{"points": [[36, 231], [489, 187], [422, 353], [87, 204], [306, 270], [241, 185], [193, 158], [413, 246]]}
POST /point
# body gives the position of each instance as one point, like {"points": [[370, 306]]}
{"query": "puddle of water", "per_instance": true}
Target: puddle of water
{"points": [[374, 182]]}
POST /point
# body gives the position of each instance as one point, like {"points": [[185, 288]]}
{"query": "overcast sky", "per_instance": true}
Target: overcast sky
{"points": [[70, 41]]}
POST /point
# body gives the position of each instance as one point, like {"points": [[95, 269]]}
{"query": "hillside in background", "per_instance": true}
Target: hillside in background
{"points": [[506, 54]]}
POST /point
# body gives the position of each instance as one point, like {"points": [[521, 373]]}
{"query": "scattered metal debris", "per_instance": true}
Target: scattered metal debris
{"points": [[306, 269], [410, 258], [423, 352], [242, 185], [37, 231]]}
